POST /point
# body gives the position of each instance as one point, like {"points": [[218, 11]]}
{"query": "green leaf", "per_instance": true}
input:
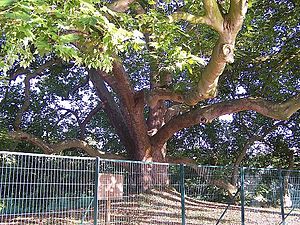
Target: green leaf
{"points": [[188, 66], [43, 47], [4, 3], [19, 15], [68, 38], [250, 3], [199, 60], [2, 64], [66, 52], [151, 2]]}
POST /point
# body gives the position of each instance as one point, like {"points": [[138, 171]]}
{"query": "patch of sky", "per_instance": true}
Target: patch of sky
{"points": [[240, 90], [229, 117], [259, 148]]}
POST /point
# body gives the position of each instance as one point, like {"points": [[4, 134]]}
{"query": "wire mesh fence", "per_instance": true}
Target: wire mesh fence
{"points": [[43, 189], [291, 196], [39, 189], [137, 193], [262, 195]]}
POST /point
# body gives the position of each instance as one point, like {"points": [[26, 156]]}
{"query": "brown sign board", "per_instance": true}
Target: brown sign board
{"points": [[110, 186]]}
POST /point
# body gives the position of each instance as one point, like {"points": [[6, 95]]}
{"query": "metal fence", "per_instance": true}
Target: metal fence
{"points": [[54, 190]]}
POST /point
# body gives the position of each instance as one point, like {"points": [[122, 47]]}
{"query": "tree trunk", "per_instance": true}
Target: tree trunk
{"points": [[154, 173]]}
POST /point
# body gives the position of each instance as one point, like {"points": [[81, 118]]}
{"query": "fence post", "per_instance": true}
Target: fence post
{"points": [[281, 185], [242, 195], [182, 194], [96, 190]]}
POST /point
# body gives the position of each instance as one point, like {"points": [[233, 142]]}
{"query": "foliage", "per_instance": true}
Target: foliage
{"points": [[70, 29], [88, 34], [6, 142]]}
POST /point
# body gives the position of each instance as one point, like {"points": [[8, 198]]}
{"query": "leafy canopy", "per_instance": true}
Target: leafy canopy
{"points": [[86, 32]]}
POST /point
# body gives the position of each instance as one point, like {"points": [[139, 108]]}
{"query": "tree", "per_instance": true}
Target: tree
{"points": [[142, 63]]}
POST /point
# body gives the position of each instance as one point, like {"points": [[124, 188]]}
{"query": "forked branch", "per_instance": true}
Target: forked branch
{"points": [[212, 16], [227, 25], [279, 111]]}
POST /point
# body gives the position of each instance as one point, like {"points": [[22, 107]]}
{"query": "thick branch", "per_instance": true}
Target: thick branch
{"points": [[237, 11], [279, 111], [108, 103], [121, 5], [231, 189], [56, 148], [113, 111], [207, 85], [223, 52], [120, 83], [88, 118], [131, 106], [23, 136], [158, 94], [189, 18], [175, 110], [214, 14], [228, 27], [68, 144], [123, 85]]}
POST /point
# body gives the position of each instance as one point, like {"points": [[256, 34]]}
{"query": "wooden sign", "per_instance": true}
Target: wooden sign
{"points": [[110, 186]]}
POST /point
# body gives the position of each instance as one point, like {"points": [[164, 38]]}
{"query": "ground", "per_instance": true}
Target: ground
{"points": [[160, 208]]}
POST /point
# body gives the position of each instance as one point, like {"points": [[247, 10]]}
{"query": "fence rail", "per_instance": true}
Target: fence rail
{"points": [[54, 190]]}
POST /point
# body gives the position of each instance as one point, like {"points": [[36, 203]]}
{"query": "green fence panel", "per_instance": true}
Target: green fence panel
{"points": [[291, 196], [242, 174], [208, 193], [96, 199], [182, 191], [59, 190], [263, 197], [40, 189], [139, 193], [281, 190]]}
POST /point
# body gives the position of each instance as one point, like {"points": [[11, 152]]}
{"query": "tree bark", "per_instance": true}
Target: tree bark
{"points": [[131, 107], [60, 146], [279, 111]]}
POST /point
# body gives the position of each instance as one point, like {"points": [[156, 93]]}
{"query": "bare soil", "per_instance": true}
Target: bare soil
{"points": [[158, 208]]}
